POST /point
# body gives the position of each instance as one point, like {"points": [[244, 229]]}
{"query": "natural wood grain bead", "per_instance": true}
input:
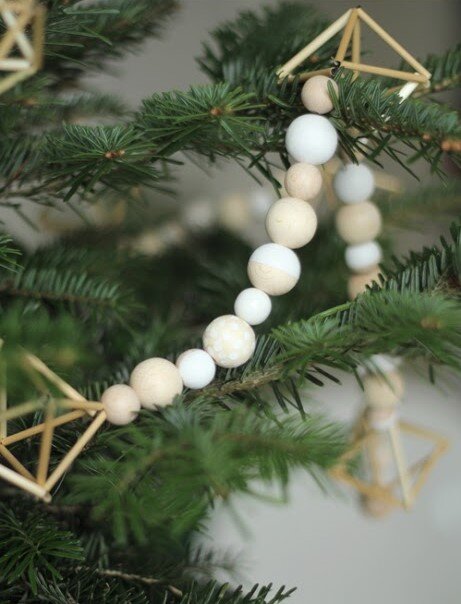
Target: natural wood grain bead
{"points": [[357, 284], [383, 390], [291, 222], [121, 404], [316, 96], [358, 222], [274, 269], [229, 340], [156, 381], [303, 181]]}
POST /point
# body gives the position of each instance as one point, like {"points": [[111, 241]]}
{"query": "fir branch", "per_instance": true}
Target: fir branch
{"points": [[8, 254]]}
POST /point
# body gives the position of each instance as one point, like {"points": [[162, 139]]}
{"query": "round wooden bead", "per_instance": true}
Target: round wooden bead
{"points": [[253, 306], [229, 340], [357, 284], [354, 183], [383, 390], [362, 257], [312, 139], [156, 381], [291, 222], [316, 96], [196, 367], [303, 181], [121, 404], [274, 268], [358, 222]]}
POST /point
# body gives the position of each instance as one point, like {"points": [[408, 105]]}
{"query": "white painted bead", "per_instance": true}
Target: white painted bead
{"points": [[196, 367], [383, 390], [291, 222], [358, 222], [229, 340], [303, 181], [362, 257], [357, 284], [312, 139], [156, 381], [253, 306], [274, 268], [121, 404], [354, 183], [316, 96]]}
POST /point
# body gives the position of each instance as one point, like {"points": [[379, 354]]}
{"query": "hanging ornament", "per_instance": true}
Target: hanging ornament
{"points": [[376, 462], [21, 45]]}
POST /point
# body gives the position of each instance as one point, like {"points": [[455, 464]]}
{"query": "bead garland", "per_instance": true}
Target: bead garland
{"points": [[273, 268]]}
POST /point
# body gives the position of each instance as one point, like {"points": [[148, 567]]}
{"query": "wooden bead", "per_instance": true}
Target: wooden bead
{"points": [[156, 381], [274, 268], [354, 183], [121, 404], [311, 139], [357, 284], [316, 96], [253, 306], [383, 390], [362, 257], [229, 340], [303, 181], [196, 367], [358, 222], [291, 222]]}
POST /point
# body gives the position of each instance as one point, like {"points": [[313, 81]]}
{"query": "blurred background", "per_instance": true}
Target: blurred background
{"points": [[323, 544]]}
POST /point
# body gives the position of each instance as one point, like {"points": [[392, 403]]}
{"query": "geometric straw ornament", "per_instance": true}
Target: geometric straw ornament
{"points": [[383, 474], [62, 405], [351, 23], [21, 42]]}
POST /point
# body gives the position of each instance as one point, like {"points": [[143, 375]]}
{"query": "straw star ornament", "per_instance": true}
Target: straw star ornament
{"points": [[62, 405]]}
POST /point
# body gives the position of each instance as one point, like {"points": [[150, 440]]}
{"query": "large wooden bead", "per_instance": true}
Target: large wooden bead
{"points": [[358, 222], [354, 183], [312, 139], [253, 306], [383, 390], [362, 257], [156, 381], [274, 268], [121, 404], [229, 340], [357, 284], [196, 367], [291, 222], [316, 96], [303, 181]]}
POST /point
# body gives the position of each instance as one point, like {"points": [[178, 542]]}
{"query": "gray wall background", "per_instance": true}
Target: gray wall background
{"points": [[324, 544]]}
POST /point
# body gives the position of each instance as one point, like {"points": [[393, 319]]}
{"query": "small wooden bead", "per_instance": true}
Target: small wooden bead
{"points": [[253, 306], [156, 381], [229, 340], [316, 96], [383, 390], [358, 222], [357, 284], [121, 404], [354, 183], [196, 367], [362, 257], [274, 268], [303, 181], [311, 139], [291, 222]]}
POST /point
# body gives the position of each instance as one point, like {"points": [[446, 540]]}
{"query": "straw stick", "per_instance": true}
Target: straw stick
{"points": [[14, 64], [39, 36], [423, 432], [401, 464], [20, 410], [15, 463], [16, 25], [87, 405], [393, 43], [430, 462], [347, 35], [70, 457], [372, 491], [3, 402], [305, 75], [356, 45], [303, 54], [28, 432], [384, 71], [63, 386], [45, 445], [23, 483]]}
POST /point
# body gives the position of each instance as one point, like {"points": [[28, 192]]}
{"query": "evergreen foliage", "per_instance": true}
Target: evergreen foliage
{"points": [[90, 304]]}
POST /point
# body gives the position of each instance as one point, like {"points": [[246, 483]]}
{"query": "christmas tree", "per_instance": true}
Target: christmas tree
{"points": [[140, 282]]}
